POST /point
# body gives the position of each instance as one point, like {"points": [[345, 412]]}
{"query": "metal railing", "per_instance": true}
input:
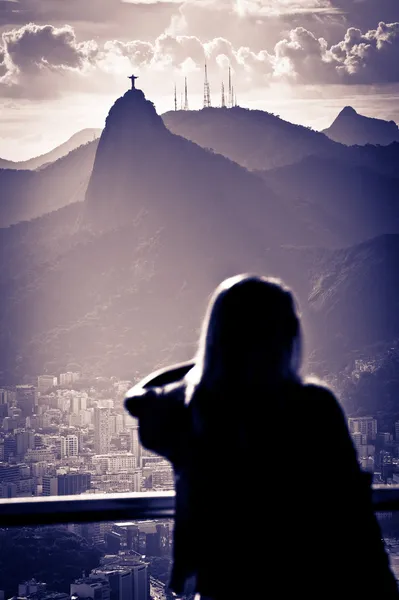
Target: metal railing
{"points": [[53, 510], [23, 512]]}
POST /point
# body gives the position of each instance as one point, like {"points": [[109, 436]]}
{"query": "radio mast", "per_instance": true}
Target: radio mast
{"points": [[207, 89]]}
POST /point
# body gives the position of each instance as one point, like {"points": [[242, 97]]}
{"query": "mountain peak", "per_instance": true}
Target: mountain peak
{"points": [[347, 111], [133, 130], [133, 113], [352, 128]]}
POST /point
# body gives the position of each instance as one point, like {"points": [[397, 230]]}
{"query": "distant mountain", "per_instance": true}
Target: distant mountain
{"points": [[119, 283], [253, 138], [78, 139], [28, 194], [343, 203], [352, 129], [144, 172], [381, 159], [258, 140], [7, 164]]}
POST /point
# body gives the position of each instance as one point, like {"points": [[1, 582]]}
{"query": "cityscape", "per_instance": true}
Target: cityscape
{"points": [[70, 434], [67, 435]]}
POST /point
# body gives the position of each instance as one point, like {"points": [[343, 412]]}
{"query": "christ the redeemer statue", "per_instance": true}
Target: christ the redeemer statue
{"points": [[133, 79]]}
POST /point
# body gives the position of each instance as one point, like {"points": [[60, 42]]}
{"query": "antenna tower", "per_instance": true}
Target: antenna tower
{"points": [[207, 90], [223, 102], [185, 94], [230, 101], [175, 98], [181, 100]]}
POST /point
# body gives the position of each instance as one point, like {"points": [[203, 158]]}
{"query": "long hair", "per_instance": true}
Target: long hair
{"points": [[250, 337]]}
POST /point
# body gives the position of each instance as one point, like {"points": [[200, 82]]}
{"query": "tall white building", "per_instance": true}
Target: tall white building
{"points": [[78, 402], [117, 424], [136, 446], [50, 486], [69, 378], [102, 430], [72, 445], [365, 425], [115, 462], [61, 447]]}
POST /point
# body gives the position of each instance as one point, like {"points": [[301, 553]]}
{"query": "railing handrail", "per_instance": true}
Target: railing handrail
{"points": [[55, 510], [43, 510]]}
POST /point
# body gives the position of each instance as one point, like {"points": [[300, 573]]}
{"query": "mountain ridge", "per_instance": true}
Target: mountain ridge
{"points": [[80, 138], [29, 194]]}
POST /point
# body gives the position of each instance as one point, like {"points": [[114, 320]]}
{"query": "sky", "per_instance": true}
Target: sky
{"points": [[64, 62]]}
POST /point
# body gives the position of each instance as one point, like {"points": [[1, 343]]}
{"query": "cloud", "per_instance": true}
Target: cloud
{"points": [[258, 7], [272, 8], [360, 58], [38, 61], [368, 58], [37, 57], [33, 47]]}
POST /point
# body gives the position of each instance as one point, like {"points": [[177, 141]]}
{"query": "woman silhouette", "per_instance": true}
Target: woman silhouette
{"points": [[270, 499]]}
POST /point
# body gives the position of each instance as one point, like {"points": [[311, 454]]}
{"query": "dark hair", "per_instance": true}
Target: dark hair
{"points": [[250, 336]]}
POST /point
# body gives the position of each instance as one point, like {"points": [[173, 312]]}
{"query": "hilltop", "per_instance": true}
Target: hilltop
{"points": [[352, 128], [255, 139]]}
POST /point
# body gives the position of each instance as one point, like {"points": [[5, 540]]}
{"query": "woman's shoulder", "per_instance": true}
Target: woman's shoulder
{"points": [[319, 395], [317, 387], [141, 399]]}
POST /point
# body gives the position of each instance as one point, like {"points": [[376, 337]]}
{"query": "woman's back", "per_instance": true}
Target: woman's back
{"points": [[269, 495]]}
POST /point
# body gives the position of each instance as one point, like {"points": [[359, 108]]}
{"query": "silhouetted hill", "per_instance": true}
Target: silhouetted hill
{"points": [[7, 164], [352, 129], [259, 140], [381, 159], [144, 172], [78, 139], [253, 138], [345, 204], [28, 194]]}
